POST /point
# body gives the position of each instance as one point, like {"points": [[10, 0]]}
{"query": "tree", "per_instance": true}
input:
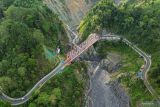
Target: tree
{"points": [[57, 93], [22, 71], [43, 98], [38, 35], [32, 105], [53, 99], [4, 104], [6, 83], [26, 3], [4, 65], [5, 3]]}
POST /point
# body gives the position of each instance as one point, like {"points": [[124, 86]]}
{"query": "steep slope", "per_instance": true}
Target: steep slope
{"points": [[136, 20], [70, 11], [28, 28], [25, 30]]}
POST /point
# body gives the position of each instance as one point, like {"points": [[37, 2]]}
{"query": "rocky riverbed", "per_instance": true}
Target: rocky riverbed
{"points": [[102, 92]]}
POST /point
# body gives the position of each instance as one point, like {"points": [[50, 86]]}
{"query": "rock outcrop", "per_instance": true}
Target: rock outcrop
{"points": [[70, 11], [103, 92], [111, 63]]}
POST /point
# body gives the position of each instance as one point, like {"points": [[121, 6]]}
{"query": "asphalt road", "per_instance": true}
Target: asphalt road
{"points": [[18, 101], [147, 65], [147, 58], [148, 62]]}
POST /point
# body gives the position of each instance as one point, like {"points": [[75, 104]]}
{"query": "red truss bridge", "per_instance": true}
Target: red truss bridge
{"points": [[71, 55]]}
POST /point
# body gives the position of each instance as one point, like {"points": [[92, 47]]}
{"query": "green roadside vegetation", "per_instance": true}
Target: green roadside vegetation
{"points": [[64, 90], [26, 27], [137, 20], [130, 59], [131, 64], [24, 30], [4, 104]]}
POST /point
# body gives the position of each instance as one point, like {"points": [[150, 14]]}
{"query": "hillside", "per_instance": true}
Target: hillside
{"points": [[25, 29], [70, 11], [29, 29], [137, 20]]}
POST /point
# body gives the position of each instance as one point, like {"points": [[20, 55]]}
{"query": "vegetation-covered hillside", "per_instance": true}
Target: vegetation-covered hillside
{"points": [[27, 28], [137, 20], [24, 30]]}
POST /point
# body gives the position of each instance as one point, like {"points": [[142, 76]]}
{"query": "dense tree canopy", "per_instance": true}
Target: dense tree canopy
{"points": [[26, 27], [137, 20], [22, 39]]}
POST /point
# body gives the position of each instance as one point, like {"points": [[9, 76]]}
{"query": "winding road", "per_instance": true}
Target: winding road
{"points": [[18, 101], [63, 64], [147, 65], [147, 59]]}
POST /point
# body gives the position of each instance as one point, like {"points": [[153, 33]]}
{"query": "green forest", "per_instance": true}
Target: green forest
{"points": [[26, 27], [29, 29], [139, 22]]}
